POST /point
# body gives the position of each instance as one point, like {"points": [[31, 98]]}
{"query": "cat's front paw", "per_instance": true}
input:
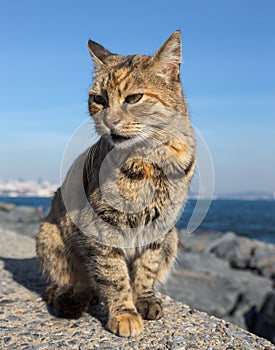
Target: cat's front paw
{"points": [[125, 325], [150, 308]]}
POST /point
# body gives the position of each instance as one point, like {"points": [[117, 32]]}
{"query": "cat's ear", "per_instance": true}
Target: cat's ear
{"points": [[166, 61], [98, 52]]}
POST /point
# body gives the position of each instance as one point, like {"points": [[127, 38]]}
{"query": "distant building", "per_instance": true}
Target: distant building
{"points": [[27, 188]]}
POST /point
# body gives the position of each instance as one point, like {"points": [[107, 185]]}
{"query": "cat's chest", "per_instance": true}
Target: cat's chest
{"points": [[137, 181]]}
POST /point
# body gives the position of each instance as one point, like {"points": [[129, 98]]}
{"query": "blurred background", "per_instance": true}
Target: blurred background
{"points": [[228, 76]]}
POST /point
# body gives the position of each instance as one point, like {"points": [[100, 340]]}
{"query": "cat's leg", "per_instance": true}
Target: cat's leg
{"points": [[148, 269], [68, 297], [70, 301], [108, 268]]}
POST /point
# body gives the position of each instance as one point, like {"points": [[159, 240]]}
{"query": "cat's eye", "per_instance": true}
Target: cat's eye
{"points": [[133, 98], [100, 100]]}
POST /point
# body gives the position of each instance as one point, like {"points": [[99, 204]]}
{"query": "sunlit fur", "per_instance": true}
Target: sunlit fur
{"points": [[124, 241]]}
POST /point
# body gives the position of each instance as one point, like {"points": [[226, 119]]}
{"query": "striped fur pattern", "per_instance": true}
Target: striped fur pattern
{"points": [[141, 115]]}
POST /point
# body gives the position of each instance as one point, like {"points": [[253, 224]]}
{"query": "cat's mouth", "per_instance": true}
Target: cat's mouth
{"points": [[119, 138]]}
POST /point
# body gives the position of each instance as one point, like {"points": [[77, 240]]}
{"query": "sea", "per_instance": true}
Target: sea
{"points": [[250, 218]]}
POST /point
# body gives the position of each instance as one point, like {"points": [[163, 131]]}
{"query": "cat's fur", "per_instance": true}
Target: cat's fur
{"points": [[112, 253]]}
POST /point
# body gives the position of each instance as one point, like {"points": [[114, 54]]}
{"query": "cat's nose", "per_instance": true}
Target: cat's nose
{"points": [[112, 122], [113, 131]]}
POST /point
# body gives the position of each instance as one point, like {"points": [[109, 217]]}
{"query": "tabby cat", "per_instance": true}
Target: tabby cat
{"points": [[110, 233]]}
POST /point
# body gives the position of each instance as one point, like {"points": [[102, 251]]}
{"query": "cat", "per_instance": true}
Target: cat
{"points": [[109, 236]]}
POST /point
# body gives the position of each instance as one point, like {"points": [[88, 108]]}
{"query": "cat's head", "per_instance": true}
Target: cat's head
{"points": [[134, 98]]}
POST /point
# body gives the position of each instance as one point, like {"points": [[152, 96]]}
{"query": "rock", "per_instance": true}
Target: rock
{"points": [[6, 206], [22, 219], [20, 214], [209, 284], [263, 322], [263, 260], [240, 252], [217, 273], [198, 242], [236, 250]]}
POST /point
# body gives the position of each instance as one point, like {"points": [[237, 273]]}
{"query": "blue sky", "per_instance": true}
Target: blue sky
{"points": [[228, 74]]}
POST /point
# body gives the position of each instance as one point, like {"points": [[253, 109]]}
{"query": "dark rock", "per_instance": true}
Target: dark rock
{"points": [[236, 250], [262, 323], [240, 252], [6, 207], [227, 276], [263, 260], [209, 284]]}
